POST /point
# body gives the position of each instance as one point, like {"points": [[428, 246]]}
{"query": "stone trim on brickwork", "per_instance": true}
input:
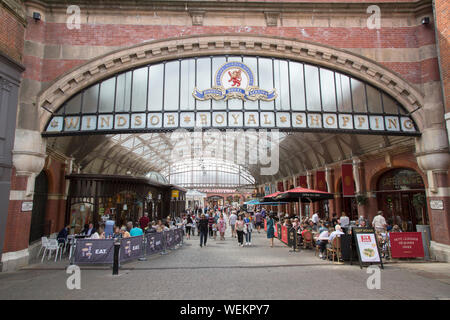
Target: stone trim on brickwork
{"points": [[107, 65]]}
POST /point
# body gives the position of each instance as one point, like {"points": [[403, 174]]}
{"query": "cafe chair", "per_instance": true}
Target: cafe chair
{"points": [[308, 240], [44, 244], [335, 249], [53, 245]]}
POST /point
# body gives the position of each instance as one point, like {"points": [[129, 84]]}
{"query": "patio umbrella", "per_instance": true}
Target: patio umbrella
{"points": [[302, 195], [271, 197]]}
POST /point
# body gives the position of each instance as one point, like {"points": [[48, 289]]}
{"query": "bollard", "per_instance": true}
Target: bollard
{"points": [[143, 250], [116, 258]]}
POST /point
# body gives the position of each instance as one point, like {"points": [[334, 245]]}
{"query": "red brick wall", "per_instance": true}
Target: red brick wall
{"points": [[442, 11], [11, 35], [119, 35]]}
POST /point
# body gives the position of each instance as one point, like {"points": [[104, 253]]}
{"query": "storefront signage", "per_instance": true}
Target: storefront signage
{"points": [[367, 246], [437, 204], [27, 206], [406, 245], [175, 193], [156, 121]]}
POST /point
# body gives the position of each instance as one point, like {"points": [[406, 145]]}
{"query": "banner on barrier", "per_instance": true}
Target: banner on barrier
{"points": [[130, 248], [94, 251], [154, 243], [284, 234], [169, 238]]}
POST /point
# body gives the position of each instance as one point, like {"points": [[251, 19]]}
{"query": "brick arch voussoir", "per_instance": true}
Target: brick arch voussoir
{"points": [[118, 61]]}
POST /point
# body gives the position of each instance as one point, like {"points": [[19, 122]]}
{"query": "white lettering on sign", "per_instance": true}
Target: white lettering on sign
{"points": [[231, 119]]}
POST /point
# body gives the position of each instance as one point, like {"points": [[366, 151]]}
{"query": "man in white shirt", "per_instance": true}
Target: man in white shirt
{"points": [[379, 222], [344, 220], [315, 218], [337, 232], [233, 218]]}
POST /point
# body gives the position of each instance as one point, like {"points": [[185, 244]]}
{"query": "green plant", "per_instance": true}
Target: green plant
{"points": [[419, 200], [361, 199]]}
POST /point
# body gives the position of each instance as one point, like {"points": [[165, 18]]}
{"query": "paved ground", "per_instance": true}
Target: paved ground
{"points": [[223, 270]]}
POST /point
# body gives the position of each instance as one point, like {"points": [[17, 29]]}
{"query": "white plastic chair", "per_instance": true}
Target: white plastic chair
{"points": [[44, 244], [53, 245]]}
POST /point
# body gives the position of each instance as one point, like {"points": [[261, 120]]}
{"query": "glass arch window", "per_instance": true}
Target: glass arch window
{"points": [[207, 173], [160, 96]]}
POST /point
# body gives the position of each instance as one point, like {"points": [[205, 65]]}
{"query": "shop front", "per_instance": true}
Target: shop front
{"points": [[401, 196], [97, 198]]}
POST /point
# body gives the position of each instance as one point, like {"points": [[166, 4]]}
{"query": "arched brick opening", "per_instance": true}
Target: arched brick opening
{"points": [[107, 65]]}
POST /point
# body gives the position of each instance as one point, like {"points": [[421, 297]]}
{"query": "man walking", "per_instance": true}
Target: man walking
{"points": [[203, 230], [232, 222]]}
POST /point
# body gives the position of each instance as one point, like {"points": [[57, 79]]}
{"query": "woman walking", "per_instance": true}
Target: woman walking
{"points": [[248, 230], [221, 226], [270, 230], [188, 226], [239, 226]]}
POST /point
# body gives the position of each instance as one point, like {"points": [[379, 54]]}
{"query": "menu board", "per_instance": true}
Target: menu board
{"points": [[367, 247]]}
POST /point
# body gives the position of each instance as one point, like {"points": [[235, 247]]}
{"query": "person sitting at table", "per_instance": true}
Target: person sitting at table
{"points": [[117, 234], [124, 232], [322, 227], [89, 230], [322, 241], [62, 235], [334, 234], [136, 231], [313, 226], [100, 234]]}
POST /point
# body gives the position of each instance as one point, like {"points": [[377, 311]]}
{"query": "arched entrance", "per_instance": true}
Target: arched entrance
{"points": [[39, 227], [401, 196]]}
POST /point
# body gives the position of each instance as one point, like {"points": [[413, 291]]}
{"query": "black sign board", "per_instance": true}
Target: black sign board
{"points": [[367, 246]]}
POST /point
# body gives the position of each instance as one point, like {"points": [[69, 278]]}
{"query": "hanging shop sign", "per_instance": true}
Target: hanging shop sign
{"points": [[406, 245], [367, 246], [235, 80], [175, 193]]}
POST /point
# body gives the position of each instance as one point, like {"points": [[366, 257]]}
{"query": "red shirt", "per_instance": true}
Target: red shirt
{"points": [[143, 221]]}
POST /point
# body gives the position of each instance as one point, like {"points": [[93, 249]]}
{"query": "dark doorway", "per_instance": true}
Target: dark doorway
{"points": [[39, 227]]}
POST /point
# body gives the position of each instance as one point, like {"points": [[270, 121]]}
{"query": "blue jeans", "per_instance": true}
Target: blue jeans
{"points": [[248, 237], [203, 238]]}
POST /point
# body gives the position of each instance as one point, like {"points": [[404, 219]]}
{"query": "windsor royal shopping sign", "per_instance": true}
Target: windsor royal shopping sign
{"points": [[233, 83]]}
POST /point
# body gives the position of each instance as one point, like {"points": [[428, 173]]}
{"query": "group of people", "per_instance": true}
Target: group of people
{"points": [[216, 221]]}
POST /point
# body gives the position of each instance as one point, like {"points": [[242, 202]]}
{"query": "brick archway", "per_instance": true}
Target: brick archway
{"points": [[49, 100]]}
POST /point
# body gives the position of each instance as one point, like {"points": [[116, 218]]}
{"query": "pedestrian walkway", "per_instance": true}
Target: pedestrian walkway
{"points": [[224, 270]]}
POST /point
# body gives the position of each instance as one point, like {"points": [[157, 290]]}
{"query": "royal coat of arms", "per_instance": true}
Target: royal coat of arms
{"points": [[234, 80]]}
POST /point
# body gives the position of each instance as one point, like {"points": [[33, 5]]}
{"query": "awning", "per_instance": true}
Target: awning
{"points": [[271, 197]]}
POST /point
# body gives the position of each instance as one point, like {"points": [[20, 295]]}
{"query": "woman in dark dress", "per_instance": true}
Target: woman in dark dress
{"points": [[270, 230]]}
